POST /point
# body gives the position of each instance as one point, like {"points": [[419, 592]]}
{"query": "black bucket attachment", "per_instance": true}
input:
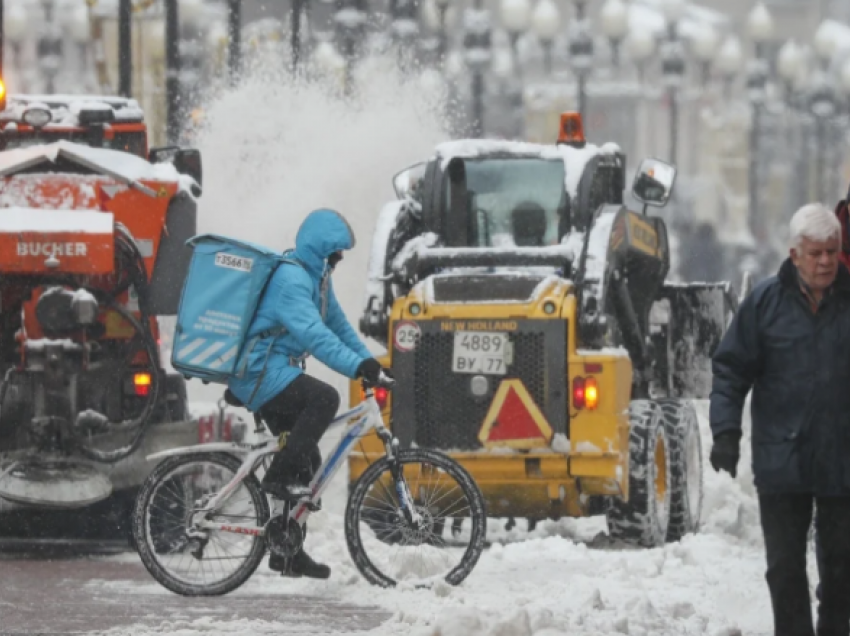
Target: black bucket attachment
{"points": [[699, 316]]}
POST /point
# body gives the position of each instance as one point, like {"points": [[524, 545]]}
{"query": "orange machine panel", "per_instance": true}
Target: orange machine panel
{"points": [[56, 241]]}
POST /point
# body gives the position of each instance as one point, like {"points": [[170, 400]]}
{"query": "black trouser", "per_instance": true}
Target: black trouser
{"points": [[304, 409], [785, 521]]}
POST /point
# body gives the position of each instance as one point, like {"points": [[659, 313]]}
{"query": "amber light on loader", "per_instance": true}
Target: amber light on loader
{"points": [[142, 383], [2, 95], [571, 131], [585, 393]]}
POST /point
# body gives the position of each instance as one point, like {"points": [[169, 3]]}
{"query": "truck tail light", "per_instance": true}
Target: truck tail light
{"points": [[142, 384], [206, 429], [585, 393]]}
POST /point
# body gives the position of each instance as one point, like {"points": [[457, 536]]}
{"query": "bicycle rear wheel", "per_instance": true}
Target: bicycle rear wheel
{"points": [[221, 561], [388, 550]]}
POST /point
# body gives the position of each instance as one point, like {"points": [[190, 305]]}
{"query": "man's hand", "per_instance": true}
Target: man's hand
{"points": [[725, 452], [370, 369]]}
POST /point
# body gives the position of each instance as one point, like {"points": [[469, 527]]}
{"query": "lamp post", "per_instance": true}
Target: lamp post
{"points": [[822, 103], [234, 35], [791, 66], [79, 29], [516, 18], [760, 30], [50, 45], [704, 45], [546, 24], [581, 54], [477, 46], [728, 62], [15, 30], [404, 30], [640, 46], [614, 19], [673, 69], [172, 70], [298, 7], [350, 20]]}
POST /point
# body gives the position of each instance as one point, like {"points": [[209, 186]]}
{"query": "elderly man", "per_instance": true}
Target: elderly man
{"points": [[790, 344]]}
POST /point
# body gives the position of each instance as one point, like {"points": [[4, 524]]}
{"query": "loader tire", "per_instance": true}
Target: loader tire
{"points": [[680, 421], [643, 519]]}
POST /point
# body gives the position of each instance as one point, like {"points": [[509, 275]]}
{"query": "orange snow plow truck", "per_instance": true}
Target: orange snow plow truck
{"points": [[92, 233]]}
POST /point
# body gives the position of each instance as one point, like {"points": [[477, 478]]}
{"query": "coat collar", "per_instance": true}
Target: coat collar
{"points": [[788, 277]]}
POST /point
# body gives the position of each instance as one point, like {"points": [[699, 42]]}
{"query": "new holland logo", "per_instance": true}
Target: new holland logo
{"points": [[514, 420], [234, 262]]}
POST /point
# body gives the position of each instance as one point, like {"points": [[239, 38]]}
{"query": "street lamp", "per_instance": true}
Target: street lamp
{"points": [[673, 68], [516, 18], [350, 20], [822, 102], [640, 45], [615, 25], [50, 45], [15, 30], [477, 44], [728, 62], [760, 30], [704, 44], [581, 54], [546, 24]]}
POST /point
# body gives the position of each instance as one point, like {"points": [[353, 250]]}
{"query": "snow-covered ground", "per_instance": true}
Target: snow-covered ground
{"points": [[271, 154], [562, 578]]}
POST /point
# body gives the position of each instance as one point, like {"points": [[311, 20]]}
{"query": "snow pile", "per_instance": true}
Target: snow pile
{"points": [[273, 151]]}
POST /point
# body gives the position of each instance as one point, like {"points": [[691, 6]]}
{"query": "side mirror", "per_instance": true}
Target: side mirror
{"points": [[406, 183], [654, 182], [186, 160]]}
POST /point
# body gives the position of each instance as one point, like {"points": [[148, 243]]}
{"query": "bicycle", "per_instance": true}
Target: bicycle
{"points": [[186, 513]]}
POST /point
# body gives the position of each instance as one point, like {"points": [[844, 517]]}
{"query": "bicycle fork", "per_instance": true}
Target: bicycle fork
{"points": [[405, 498]]}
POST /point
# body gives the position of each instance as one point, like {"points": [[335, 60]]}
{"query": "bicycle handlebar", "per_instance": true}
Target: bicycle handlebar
{"points": [[384, 382]]}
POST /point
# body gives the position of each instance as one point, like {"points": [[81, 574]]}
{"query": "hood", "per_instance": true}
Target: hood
{"points": [[321, 234]]}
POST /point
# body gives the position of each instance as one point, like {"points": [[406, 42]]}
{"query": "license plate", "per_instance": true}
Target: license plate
{"points": [[481, 352]]}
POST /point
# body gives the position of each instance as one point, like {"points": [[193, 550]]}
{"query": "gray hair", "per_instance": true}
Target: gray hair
{"points": [[815, 222]]}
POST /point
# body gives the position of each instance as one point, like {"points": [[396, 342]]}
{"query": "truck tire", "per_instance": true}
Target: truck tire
{"points": [[643, 519], [680, 421]]}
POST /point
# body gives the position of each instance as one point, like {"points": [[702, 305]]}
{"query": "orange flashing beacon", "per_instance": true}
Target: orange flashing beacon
{"points": [[571, 131]]}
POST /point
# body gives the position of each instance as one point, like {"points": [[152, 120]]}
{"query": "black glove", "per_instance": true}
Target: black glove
{"points": [[725, 452], [370, 369]]}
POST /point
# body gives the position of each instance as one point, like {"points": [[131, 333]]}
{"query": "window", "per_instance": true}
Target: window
{"points": [[516, 201]]}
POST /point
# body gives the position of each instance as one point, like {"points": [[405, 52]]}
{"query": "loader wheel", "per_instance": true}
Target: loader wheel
{"points": [[680, 421], [643, 519]]}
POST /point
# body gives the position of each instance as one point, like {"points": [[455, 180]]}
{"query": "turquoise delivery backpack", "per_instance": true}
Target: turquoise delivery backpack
{"points": [[221, 293]]}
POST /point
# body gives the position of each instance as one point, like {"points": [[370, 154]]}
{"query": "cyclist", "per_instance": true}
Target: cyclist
{"points": [[297, 407]]}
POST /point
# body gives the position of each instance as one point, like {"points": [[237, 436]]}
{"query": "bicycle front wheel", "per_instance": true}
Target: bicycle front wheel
{"points": [[217, 562], [447, 542]]}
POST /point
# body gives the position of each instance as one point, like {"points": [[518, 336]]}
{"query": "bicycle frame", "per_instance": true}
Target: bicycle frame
{"points": [[361, 420]]}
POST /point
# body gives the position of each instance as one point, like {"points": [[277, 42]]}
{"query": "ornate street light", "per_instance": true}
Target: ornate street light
{"points": [[673, 68], [760, 30], [50, 45], [614, 17], [15, 31], [350, 20], [640, 46], [581, 53], [438, 17], [516, 18], [728, 62], [546, 24], [704, 45], [477, 45], [823, 102]]}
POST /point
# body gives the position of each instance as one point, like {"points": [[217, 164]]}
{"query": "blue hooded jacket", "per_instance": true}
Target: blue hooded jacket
{"points": [[293, 300]]}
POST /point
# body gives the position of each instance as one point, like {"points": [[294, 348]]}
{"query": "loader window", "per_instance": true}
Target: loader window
{"points": [[515, 201]]}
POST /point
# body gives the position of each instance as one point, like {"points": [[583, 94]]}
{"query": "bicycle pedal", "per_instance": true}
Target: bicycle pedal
{"points": [[312, 506]]}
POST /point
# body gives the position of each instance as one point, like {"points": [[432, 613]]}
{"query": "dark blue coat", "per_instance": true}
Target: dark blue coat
{"points": [[797, 363]]}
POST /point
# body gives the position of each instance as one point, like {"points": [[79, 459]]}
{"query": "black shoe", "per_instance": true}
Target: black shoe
{"points": [[299, 565]]}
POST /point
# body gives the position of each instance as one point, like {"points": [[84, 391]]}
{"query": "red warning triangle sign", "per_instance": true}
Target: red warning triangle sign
{"points": [[514, 420]]}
